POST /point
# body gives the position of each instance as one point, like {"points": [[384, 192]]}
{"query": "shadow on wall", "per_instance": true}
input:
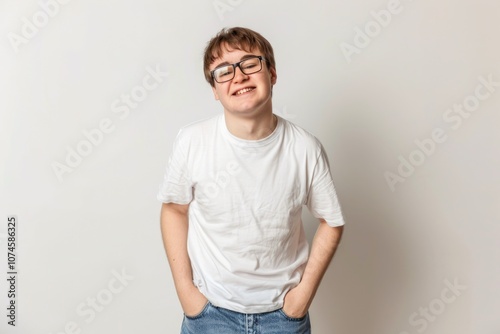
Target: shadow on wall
{"points": [[372, 271]]}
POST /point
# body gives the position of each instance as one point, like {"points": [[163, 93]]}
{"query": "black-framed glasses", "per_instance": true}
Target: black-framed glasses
{"points": [[247, 66]]}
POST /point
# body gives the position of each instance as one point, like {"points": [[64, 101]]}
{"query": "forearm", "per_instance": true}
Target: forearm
{"points": [[323, 248], [174, 228], [299, 299]]}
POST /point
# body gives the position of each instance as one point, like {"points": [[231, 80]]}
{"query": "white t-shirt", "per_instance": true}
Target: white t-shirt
{"points": [[246, 241]]}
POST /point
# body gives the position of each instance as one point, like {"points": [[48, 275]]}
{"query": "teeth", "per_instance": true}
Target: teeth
{"points": [[244, 90]]}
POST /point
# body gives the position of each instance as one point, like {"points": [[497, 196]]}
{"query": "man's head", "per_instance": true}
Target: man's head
{"points": [[236, 38], [245, 71]]}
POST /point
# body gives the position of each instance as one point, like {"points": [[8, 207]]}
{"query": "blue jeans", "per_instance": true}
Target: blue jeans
{"points": [[217, 320]]}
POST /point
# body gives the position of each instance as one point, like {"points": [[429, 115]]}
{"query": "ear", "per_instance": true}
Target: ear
{"points": [[216, 96], [274, 76]]}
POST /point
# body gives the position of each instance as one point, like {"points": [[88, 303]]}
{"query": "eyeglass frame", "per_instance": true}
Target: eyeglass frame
{"points": [[261, 58]]}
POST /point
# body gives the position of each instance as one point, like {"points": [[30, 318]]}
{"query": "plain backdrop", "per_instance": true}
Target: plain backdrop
{"points": [[438, 225]]}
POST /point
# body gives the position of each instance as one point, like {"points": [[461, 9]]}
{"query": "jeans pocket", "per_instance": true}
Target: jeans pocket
{"points": [[199, 315], [287, 317]]}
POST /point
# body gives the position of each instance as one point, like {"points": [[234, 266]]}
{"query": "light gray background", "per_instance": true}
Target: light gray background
{"points": [[399, 246]]}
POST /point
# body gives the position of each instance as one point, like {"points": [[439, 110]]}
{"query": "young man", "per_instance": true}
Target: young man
{"points": [[232, 195]]}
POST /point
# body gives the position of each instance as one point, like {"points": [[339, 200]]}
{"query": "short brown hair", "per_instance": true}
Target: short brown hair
{"points": [[237, 38]]}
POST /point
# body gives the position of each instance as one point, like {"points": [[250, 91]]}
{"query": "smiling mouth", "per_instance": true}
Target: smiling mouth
{"points": [[244, 90]]}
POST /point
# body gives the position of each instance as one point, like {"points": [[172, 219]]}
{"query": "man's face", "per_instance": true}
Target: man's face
{"points": [[249, 103]]}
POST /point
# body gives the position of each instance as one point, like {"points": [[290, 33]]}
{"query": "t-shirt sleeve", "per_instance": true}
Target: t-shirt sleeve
{"points": [[177, 185], [322, 199]]}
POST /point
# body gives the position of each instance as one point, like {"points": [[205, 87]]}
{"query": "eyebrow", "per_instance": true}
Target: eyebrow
{"points": [[242, 58]]}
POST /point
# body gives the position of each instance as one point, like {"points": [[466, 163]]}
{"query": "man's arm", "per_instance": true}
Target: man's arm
{"points": [[299, 299], [174, 228]]}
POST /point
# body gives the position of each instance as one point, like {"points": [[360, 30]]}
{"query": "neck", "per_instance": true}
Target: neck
{"points": [[251, 128]]}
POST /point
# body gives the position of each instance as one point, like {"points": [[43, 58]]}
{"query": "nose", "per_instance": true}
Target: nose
{"points": [[239, 75]]}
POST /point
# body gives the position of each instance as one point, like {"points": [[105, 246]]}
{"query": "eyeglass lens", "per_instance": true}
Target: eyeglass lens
{"points": [[248, 66]]}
